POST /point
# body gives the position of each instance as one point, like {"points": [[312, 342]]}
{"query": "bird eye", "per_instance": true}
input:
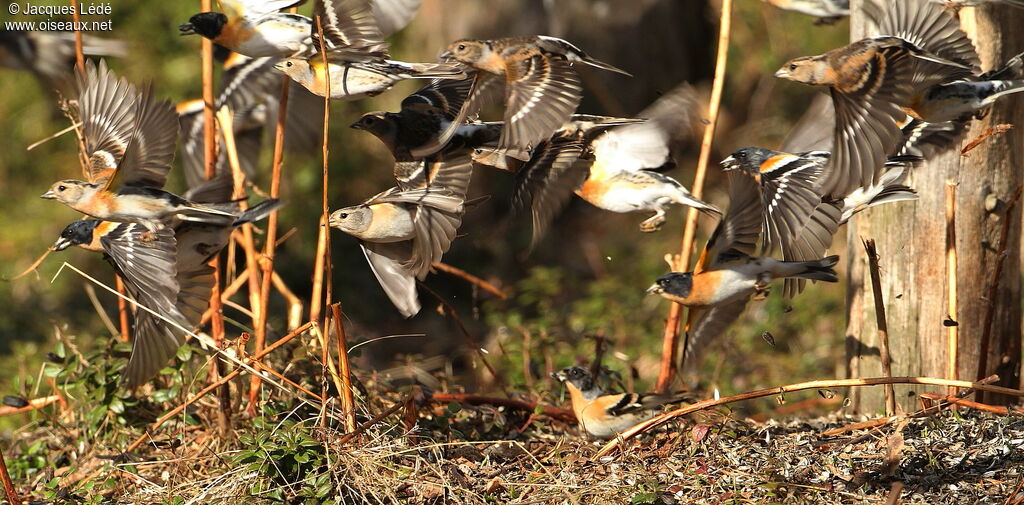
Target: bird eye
{"points": [[61, 188], [741, 155], [288, 64], [792, 66], [343, 215], [462, 47]]}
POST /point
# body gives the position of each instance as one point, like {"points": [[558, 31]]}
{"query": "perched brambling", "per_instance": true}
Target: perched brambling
{"points": [[542, 88], [131, 135], [51, 55], [405, 229], [827, 11], [168, 274], [871, 82], [799, 220], [426, 123], [251, 89], [618, 171], [607, 415]]}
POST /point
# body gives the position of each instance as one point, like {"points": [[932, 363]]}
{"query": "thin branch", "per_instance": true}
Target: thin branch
{"points": [[33, 404], [348, 402], [952, 324], [800, 386], [76, 18], [31, 268], [881, 323], [993, 285], [321, 265], [670, 339], [470, 278], [564, 415], [12, 494]]}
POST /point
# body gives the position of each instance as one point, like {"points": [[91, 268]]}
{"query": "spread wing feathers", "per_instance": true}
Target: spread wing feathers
{"points": [[386, 260], [448, 174], [866, 131], [814, 130], [737, 233], [482, 89], [675, 112], [435, 197], [446, 95], [540, 96], [707, 326], [546, 183], [195, 286], [154, 140], [155, 343], [928, 25], [435, 230], [811, 240], [349, 24], [106, 107], [393, 15], [929, 139], [788, 196]]}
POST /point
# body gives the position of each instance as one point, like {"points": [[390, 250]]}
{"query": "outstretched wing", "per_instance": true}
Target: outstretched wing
{"points": [[541, 94], [546, 183], [737, 233], [154, 140], [106, 107], [349, 24], [386, 261]]}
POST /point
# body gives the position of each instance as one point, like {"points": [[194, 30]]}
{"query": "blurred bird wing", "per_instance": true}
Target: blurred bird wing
{"points": [[632, 147], [815, 129], [447, 173], [811, 240], [154, 141], [386, 262], [213, 191], [254, 9], [393, 15], [928, 25], [483, 88], [107, 108], [737, 233], [444, 95], [541, 94], [435, 197], [349, 24], [929, 139], [707, 325], [546, 183], [435, 230], [675, 112]]}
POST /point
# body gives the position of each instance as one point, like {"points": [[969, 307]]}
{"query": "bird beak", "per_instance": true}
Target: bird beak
{"points": [[61, 244], [781, 73], [358, 125], [559, 376], [186, 29], [655, 289], [49, 195], [447, 55], [333, 221], [729, 163]]}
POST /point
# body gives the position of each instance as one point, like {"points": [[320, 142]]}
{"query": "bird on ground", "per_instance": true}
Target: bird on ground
{"points": [[403, 230], [542, 88], [612, 163], [129, 136], [605, 415]]}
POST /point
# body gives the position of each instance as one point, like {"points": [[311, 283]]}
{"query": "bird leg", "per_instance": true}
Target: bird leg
{"points": [[654, 222], [762, 286]]}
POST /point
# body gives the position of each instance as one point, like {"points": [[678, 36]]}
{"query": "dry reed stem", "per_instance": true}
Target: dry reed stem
{"points": [[31, 268], [881, 323], [800, 386], [368, 424], [33, 404], [564, 415], [953, 327], [90, 292], [984, 407], [320, 297], [348, 402], [51, 137], [993, 285], [470, 278], [122, 309], [79, 53], [270, 240], [294, 302], [254, 360], [12, 495], [226, 295], [670, 339], [290, 382]]}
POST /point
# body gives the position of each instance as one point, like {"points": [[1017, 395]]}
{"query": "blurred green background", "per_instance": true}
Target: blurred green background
{"points": [[586, 278]]}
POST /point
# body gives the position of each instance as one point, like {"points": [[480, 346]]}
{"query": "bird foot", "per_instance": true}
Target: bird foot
{"points": [[653, 224], [762, 289], [147, 236]]}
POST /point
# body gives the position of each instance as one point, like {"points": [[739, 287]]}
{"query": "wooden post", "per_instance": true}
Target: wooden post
{"points": [[913, 236]]}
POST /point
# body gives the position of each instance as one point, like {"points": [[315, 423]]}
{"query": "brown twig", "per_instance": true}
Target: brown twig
{"points": [[470, 278], [800, 386], [365, 426], [254, 360], [883, 325], [321, 265], [670, 339], [995, 130], [348, 402], [33, 404], [952, 325], [12, 494], [294, 302], [564, 415], [31, 268], [993, 285], [79, 53], [122, 309], [894, 493], [288, 381], [984, 407]]}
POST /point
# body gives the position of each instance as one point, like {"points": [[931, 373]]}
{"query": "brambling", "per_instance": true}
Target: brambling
{"points": [[132, 136], [253, 27], [797, 219], [606, 415], [542, 87], [426, 123], [872, 81], [251, 88], [619, 169], [51, 55], [405, 229], [168, 273], [827, 11]]}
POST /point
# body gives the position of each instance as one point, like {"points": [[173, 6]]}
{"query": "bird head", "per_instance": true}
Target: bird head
{"points": [[806, 69], [748, 159], [466, 51], [578, 377], [69, 192], [297, 68], [77, 233], [207, 24], [675, 284], [351, 220]]}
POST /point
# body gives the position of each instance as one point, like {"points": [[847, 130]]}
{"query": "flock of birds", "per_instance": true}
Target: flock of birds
{"points": [[897, 98]]}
